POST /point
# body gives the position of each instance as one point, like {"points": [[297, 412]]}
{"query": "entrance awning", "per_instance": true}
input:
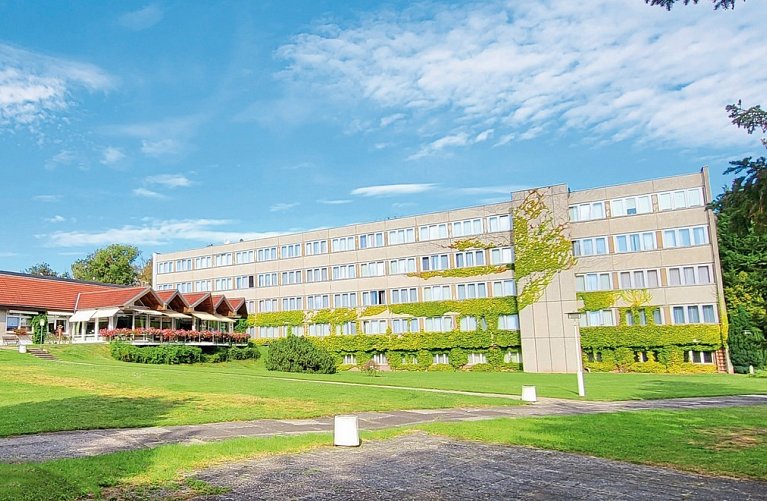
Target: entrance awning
{"points": [[82, 316], [175, 314], [204, 316], [222, 318], [106, 313]]}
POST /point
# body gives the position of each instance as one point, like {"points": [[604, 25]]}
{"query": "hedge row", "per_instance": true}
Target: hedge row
{"points": [[173, 354]]}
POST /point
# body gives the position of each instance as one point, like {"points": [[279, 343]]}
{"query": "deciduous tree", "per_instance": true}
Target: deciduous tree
{"points": [[115, 264]]}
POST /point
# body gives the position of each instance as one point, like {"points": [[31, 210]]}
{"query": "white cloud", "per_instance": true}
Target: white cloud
{"points": [[47, 198], [617, 70], [141, 19], [334, 202], [387, 190], [168, 180], [282, 206], [35, 88], [8, 254], [65, 158], [145, 193], [111, 156], [490, 190], [55, 219], [154, 232], [159, 148]]}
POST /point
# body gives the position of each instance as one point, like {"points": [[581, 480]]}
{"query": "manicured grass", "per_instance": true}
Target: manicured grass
{"points": [[38, 396], [730, 442]]}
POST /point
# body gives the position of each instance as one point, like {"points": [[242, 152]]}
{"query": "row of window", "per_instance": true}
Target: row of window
{"points": [[397, 326], [691, 356], [511, 356], [642, 241], [640, 204], [455, 229], [473, 290], [644, 279], [680, 315]]}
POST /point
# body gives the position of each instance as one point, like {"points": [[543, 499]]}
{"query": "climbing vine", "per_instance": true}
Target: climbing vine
{"points": [[597, 300], [278, 319], [541, 247], [471, 271], [471, 243]]}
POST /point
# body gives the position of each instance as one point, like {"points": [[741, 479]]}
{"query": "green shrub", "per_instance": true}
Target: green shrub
{"points": [[441, 368], [246, 353], [162, 354], [481, 368], [298, 354]]}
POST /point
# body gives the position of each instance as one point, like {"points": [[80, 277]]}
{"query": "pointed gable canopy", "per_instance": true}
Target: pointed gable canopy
{"points": [[173, 300], [129, 297], [239, 307]]}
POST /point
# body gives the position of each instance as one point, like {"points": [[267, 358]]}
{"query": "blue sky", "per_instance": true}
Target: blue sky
{"points": [[172, 125]]}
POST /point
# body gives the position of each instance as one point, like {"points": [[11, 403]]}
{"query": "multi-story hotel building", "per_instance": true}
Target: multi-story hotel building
{"points": [[653, 236]]}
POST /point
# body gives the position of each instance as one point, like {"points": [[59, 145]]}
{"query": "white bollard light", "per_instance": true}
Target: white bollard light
{"points": [[346, 431], [528, 394], [22, 348]]}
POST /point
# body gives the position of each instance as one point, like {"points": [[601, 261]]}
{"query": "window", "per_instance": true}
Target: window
{"points": [[636, 317], [183, 264], [319, 330], [680, 199], [202, 262], [350, 359], [380, 359], [317, 302], [250, 306], [593, 282], [374, 326], [267, 279], [406, 295], [346, 328], [317, 275], [437, 293], [223, 284], [477, 358], [508, 322], [316, 247], [403, 325], [441, 359], [472, 291], [241, 257], [432, 232], [635, 242], [202, 286], [184, 287], [370, 240], [345, 300], [630, 205], [504, 288], [685, 237], [694, 314], [502, 255], [499, 223], [467, 227], [269, 332], [165, 267], [689, 275], [374, 269], [699, 357], [639, 279], [266, 254], [342, 244], [404, 265], [372, 298], [590, 246], [512, 357], [468, 324], [597, 318], [267, 305], [469, 258], [403, 236], [164, 287], [343, 271], [435, 262], [223, 259], [438, 324], [291, 277], [290, 250], [587, 212], [292, 303]]}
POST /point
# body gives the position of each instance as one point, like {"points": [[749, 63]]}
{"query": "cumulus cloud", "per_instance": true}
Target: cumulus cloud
{"points": [[145, 193], [47, 198], [141, 19], [55, 219], [388, 190], [517, 70], [159, 148], [153, 232], [35, 88], [283, 206], [335, 202], [111, 156], [168, 180]]}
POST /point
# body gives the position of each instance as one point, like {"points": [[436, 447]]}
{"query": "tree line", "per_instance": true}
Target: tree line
{"points": [[114, 264]]}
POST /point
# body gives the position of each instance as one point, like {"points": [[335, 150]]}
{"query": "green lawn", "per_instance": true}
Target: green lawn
{"points": [[93, 391], [729, 442]]}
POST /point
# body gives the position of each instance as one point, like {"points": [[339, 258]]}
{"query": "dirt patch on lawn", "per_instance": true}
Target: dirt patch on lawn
{"points": [[723, 439]]}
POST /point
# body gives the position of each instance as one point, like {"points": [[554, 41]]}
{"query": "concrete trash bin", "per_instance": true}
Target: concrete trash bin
{"points": [[346, 431], [22, 348], [528, 394]]}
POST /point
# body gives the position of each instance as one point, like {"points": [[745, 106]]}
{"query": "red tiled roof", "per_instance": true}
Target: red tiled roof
{"points": [[236, 302], [195, 297], [26, 291], [103, 299], [165, 295]]}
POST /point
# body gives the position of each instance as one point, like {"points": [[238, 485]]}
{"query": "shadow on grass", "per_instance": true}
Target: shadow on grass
{"points": [[674, 388], [85, 412]]}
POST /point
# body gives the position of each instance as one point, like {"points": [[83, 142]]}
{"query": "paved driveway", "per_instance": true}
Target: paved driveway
{"points": [[419, 466]]}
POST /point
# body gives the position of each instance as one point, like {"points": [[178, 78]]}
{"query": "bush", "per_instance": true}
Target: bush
{"points": [[298, 354], [163, 354], [246, 353]]}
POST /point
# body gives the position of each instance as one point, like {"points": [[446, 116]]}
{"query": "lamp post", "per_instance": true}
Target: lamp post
{"points": [[575, 317], [42, 336]]}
